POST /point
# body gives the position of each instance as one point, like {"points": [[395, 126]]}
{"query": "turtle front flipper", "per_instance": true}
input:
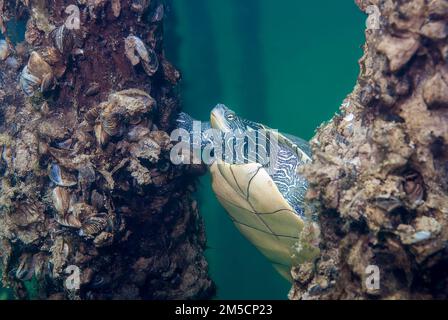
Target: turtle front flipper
{"points": [[285, 271]]}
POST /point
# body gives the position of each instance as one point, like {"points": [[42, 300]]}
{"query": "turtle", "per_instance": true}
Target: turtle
{"points": [[266, 205]]}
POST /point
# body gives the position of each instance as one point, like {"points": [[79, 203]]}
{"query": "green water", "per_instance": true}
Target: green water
{"points": [[286, 63]]}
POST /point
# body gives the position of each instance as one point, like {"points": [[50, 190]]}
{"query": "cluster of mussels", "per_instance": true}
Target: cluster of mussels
{"points": [[86, 181]]}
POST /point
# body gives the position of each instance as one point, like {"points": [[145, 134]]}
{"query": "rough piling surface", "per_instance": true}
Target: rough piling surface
{"points": [[86, 180], [380, 169]]}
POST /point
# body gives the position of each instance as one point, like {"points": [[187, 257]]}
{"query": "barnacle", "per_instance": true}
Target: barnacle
{"points": [[27, 212], [132, 45], [139, 172], [53, 129], [146, 148], [132, 102], [137, 133]]}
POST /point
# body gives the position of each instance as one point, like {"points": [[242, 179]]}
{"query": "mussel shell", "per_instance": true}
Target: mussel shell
{"points": [[47, 83], [40, 265], [25, 269], [135, 119], [97, 200], [94, 225], [64, 144], [37, 66], [4, 50], [7, 156], [61, 199], [86, 174], [28, 82], [158, 14], [164, 166], [69, 220], [130, 44], [145, 55], [152, 65], [133, 101], [93, 89], [99, 281], [102, 137], [62, 39], [139, 6], [138, 132], [61, 178], [51, 55], [92, 115], [103, 239], [12, 63], [111, 123]]}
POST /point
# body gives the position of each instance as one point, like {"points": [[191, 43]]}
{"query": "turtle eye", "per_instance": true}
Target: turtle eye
{"points": [[230, 116]]}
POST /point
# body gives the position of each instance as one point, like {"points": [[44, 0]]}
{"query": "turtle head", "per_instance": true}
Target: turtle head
{"points": [[226, 120]]}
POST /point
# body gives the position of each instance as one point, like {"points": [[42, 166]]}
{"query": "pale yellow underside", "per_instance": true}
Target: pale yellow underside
{"points": [[258, 210]]}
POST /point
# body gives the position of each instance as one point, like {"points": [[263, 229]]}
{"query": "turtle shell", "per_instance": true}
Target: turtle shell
{"points": [[299, 146], [259, 211]]}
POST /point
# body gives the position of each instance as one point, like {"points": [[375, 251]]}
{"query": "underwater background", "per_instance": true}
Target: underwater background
{"points": [[288, 64]]}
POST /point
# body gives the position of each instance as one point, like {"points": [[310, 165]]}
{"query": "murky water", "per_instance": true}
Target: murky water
{"points": [[286, 63]]}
